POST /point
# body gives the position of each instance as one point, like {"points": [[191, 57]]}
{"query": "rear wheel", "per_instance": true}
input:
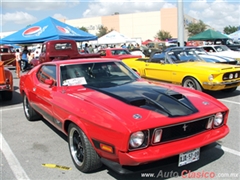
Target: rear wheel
{"points": [[192, 83], [83, 154], [29, 112], [7, 95]]}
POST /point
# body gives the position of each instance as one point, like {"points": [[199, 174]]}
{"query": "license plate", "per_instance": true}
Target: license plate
{"points": [[188, 157]]}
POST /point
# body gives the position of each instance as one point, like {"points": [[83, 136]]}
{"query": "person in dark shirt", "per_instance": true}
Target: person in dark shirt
{"points": [[24, 59]]}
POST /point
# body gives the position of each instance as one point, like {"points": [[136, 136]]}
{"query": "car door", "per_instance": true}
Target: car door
{"points": [[44, 91], [159, 68]]}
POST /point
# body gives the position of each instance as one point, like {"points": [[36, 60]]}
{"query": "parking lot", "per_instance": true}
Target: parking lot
{"points": [[26, 146]]}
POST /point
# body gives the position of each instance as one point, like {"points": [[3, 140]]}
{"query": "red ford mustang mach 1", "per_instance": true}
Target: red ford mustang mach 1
{"points": [[112, 116]]}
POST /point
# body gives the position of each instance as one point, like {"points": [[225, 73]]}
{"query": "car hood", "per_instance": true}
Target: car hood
{"points": [[128, 56], [141, 104], [216, 58], [151, 97], [232, 54], [208, 66]]}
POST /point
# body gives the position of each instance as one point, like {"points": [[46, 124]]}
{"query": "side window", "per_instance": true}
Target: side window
{"points": [[102, 53], [47, 72], [44, 48]]}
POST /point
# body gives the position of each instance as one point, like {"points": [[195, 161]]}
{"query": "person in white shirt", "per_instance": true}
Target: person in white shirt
{"points": [[18, 62]]}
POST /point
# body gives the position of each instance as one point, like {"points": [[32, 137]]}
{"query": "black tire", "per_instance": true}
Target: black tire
{"points": [[82, 153], [192, 83], [29, 112], [7, 95], [229, 90]]}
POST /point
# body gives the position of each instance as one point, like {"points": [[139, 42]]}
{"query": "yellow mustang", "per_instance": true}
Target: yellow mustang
{"points": [[186, 68]]}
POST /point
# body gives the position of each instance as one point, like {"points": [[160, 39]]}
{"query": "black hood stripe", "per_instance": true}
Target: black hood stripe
{"points": [[152, 97]]}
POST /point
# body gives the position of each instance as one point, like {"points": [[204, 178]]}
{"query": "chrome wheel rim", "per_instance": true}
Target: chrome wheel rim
{"points": [[76, 146], [26, 106], [189, 84]]}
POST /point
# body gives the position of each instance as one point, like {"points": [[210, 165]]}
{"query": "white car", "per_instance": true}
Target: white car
{"points": [[137, 52], [222, 50]]}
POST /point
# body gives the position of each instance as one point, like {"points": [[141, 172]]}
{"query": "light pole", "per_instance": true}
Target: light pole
{"points": [[180, 23]]}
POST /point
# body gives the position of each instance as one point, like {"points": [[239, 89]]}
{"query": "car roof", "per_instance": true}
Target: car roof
{"points": [[82, 60], [182, 48], [110, 49]]}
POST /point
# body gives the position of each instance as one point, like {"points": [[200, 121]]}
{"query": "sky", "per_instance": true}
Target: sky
{"points": [[17, 14]]}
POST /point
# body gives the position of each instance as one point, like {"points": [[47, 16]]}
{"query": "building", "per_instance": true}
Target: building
{"points": [[144, 25]]}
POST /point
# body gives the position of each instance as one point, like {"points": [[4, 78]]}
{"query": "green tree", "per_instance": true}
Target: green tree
{"points": [[102, 31], [230, 29], [83, 29], [196, 28], [163, 35]]}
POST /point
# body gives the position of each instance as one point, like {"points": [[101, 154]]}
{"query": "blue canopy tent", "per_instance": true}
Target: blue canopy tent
{"points": [[45, 30]]}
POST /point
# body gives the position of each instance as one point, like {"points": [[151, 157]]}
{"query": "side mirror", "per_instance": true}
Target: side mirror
{"points": [[48, 82], [162, 62]]}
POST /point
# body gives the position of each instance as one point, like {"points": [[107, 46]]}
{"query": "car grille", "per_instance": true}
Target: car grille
{"points": [[183, 130], [229, 62], [235, 74]]}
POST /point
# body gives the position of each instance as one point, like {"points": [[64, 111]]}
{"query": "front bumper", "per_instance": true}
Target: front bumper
{"points": [[5, 87], [214, 86], [158, 152]]}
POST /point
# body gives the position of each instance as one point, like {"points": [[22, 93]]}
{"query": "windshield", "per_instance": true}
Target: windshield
{"points": [[99, 75], [181, 56], [221, 48], [120, 52], [199, 51]]}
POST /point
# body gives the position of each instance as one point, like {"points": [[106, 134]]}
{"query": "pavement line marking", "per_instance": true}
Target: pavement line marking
{"points": [[8, 109], [228, 150], [13, 162], [224, 100]]}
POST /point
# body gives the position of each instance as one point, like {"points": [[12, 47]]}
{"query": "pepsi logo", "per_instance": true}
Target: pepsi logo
{"points": [[62, 29], [32, 31]]}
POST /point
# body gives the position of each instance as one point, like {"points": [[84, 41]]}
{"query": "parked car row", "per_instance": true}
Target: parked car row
{"points": [[185, 67]]}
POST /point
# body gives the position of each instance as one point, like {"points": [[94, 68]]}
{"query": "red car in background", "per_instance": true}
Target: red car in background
{"points": [[6, 83], [112, 116], [117, 53]]}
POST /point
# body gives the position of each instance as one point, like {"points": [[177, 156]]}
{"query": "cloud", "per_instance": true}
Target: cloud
{"points": [[218, 14], [36, 5], [59, 16], [105, 7], [18, 18]]}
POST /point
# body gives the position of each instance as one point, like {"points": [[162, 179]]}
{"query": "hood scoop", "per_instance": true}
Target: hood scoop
{"points": [[172, 104], [155, 98]]}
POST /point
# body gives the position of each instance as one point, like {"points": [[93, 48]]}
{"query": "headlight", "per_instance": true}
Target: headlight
{"points": [[157, 135], [136, 139], [236, 75], [218, 119], [210, 77], [230, 76]]}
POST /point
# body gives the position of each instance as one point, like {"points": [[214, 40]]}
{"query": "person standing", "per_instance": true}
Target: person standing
{"points": [[18, 62], [86, 49], [24, 59], [90, 48]]}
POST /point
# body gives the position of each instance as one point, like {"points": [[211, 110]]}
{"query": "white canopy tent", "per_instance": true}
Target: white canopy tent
{"points": [[114, 37], [235, 36]]}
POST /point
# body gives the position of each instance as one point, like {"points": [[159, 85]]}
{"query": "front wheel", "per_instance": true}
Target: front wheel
{"points": [[82, 152], [192, 83]]}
